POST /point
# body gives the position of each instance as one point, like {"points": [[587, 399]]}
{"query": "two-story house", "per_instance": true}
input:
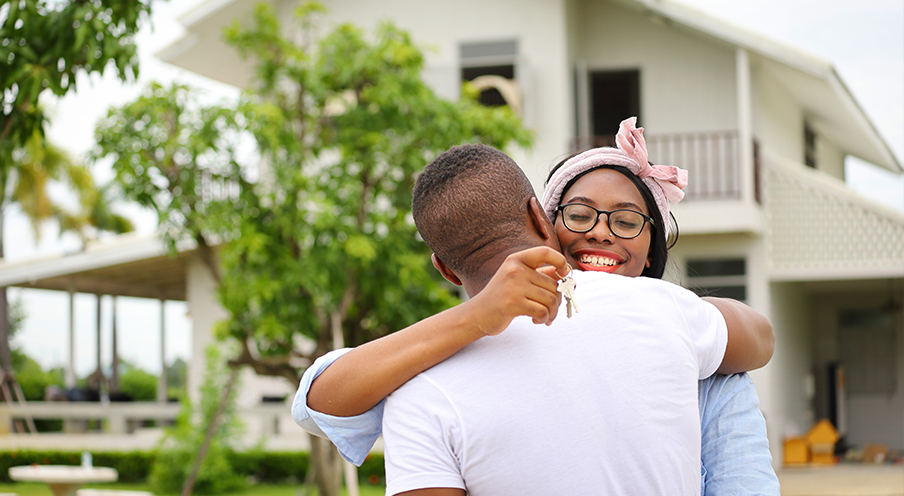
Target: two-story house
{"points": [[763, 130]]}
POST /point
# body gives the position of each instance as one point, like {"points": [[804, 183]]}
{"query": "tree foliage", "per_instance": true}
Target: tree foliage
{"points": [[305, 183], [44, 45]]}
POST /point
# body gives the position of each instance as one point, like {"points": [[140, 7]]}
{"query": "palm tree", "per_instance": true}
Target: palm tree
{"points": [[24, 182]]}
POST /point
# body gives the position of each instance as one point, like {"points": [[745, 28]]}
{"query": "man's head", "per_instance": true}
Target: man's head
{"points": [[473, 206]]}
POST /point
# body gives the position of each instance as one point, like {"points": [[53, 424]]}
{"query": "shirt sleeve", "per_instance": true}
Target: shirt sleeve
{"points": [[707, 330], [421, 436], [735, 451], [353, 436]]}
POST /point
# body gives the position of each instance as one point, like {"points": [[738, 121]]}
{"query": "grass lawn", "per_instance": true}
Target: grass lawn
{"points": [[35, 489]]}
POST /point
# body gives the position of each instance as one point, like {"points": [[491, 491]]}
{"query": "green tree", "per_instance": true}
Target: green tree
{"points": [[139, 384], [176, 378], [44, 45], [305, 184]]}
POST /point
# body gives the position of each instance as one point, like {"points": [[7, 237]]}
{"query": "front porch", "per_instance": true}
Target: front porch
{"points": [[835, 264]]}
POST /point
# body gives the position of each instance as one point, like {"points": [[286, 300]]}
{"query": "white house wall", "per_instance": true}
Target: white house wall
{"points": [[791, 398], [779, 125], [542, 70], [778, 120], [687, 82], [829, 158]]}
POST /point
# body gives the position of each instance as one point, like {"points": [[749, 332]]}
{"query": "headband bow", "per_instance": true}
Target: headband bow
{"points": [[664, 181]]}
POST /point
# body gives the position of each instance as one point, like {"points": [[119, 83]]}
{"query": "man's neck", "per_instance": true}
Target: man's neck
{"points": [[488, 269]]}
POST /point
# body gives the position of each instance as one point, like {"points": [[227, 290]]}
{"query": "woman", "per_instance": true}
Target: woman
{"points": [[608, 206]]}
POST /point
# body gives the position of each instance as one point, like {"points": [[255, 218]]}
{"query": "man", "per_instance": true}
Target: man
{"points": [[622, 374]]}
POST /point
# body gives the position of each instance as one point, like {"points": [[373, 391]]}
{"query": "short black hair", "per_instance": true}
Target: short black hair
{"points": [[659, 244], [469, 203]]}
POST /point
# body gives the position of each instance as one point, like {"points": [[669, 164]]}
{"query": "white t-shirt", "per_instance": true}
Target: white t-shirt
{"points": [[622, 373]]}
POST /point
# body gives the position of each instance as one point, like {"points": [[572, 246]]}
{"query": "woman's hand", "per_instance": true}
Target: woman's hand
{"points": [[525, 284]]}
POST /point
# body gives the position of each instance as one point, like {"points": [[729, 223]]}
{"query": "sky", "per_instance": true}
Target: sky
{"points": [[863, 39]]}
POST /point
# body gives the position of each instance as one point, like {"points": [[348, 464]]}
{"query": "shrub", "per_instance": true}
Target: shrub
{"points": [[133, 466], [32, 377], [268, 467], [139, 384]]}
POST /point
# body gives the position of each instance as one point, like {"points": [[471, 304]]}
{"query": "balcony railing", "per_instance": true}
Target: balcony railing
{"points": [[820, 229], [711, 158]]}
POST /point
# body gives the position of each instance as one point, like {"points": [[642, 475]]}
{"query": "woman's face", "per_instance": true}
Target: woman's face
{"points": [[599, 249]]}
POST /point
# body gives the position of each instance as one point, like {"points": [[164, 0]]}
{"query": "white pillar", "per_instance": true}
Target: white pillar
{"points": [[70, 366], [161, 380], [114, 373], [98, 370], [205, 311], [745, 124], [582, 106]]}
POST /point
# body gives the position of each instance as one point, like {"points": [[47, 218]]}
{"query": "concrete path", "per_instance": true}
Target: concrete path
{"points": [[843, 480]]}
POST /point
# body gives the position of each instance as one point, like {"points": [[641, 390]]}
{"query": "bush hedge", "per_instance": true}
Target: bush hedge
{"points": [[270, 467]]}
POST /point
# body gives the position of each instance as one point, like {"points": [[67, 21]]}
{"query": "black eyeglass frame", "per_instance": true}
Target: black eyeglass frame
{"points": [[608, 213]]}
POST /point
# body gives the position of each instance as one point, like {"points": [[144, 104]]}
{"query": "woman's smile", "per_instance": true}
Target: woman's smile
{"points": [[597, 260]]}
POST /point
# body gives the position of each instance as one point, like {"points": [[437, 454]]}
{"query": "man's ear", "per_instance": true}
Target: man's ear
{"points": [[444, 270], [538, 218]]}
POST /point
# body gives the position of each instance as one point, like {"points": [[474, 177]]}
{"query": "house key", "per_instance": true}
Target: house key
{"points": [[566, 287]]}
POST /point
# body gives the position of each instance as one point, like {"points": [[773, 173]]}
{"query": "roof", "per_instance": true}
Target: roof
{"points": [[829, 105], [128, 265], [813, 81]]}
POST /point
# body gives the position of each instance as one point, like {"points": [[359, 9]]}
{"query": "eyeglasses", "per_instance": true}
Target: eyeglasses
{"points": [[623, 223]]}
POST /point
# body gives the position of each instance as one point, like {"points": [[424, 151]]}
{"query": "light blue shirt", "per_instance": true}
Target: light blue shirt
{"points": [[735, 458]]}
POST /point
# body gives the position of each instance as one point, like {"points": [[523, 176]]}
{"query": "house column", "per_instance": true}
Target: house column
{"points": [[70, 365], [745, 126], [98, 371], [114, 373], [161, 380], [582, 106]]}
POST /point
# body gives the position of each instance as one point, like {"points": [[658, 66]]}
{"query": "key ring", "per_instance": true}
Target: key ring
{"points": [[570, 270]]}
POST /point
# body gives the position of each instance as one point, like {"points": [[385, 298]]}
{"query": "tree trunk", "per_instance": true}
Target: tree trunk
{"points": [[326, 463], [5, 356]]}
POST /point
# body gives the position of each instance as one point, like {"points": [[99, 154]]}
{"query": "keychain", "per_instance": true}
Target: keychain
{"points": [[566, 287]]}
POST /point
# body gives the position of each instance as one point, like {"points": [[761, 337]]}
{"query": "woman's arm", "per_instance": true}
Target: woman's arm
{"points": [[751, 341], [524, 285]]}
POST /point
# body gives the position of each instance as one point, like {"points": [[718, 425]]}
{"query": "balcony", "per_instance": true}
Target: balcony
{"points": [[819, 229], [711, 159]]}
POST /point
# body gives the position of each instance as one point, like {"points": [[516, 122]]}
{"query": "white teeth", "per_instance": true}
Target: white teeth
{"points": [[597, 261]]}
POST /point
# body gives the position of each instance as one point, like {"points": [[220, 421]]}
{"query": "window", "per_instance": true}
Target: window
{"points": [[726, 278], [491, 96], [809, 146], [492, 68], [614, 96]]}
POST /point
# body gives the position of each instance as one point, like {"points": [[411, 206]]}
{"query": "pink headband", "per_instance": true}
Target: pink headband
{"points": [[664, 181]]}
